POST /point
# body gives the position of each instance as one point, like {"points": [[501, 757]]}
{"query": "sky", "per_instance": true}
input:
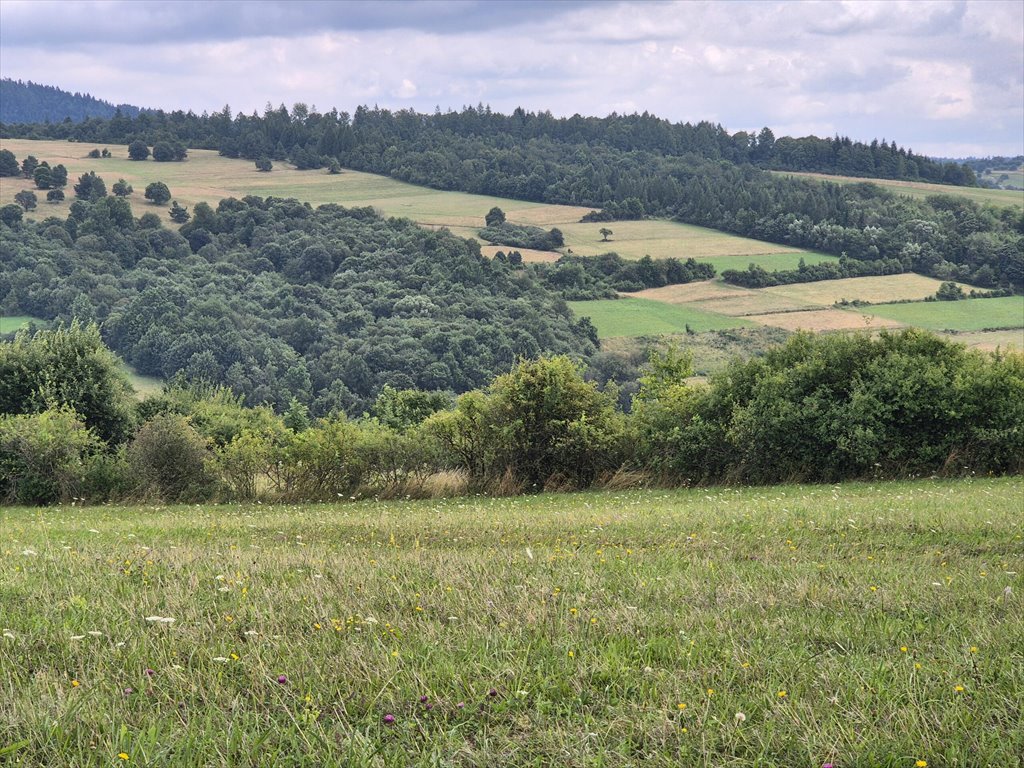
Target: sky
{"points": [[944, 78]]}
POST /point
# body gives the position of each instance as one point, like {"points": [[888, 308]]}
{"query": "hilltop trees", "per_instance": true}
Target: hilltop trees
{"points": [[122, 188]]}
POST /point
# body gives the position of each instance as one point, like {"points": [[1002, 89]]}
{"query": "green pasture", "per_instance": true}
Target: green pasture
{"points": [[860, 625], [965, 315], [644, 317]]}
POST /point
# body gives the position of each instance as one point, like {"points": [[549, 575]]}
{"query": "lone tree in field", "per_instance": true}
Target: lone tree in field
{"points": [[55, 196], [158, 193], [28, 166], [334, 167], [122, 188], [264, 164], [494, 217], [605, 232], [26, 199], [138, 150]]}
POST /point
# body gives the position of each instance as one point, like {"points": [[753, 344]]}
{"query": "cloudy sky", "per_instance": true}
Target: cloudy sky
{"points": [[943, 78]]}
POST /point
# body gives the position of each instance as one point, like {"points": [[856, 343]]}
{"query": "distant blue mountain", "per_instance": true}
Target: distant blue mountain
{"points": [[28, 102]]}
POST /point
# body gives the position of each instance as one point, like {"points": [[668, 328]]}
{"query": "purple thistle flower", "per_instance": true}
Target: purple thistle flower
{"points": [[389, 719], [492, 693], [282, 679], [150, 672], [461, 705], [128, 691], [423, 699]]}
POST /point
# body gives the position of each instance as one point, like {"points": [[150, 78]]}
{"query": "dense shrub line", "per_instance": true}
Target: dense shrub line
{"points": [[817, 409]]}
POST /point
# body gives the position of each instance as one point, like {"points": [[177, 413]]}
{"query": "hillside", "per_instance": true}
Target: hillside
{"points": [[28, 102]]}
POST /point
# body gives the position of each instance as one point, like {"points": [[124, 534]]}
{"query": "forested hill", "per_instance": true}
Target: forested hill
{"points": [[280, 301], [307, 137], [28, 102]]}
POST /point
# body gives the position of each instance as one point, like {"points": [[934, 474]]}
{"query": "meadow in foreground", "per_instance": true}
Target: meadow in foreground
{"points": [[858, 625]]}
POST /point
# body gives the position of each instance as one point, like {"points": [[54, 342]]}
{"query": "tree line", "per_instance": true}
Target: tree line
{"points": [[625, 166], [819, 408]]}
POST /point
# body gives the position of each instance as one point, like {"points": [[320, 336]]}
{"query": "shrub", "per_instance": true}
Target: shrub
{"points": [[43, 457], [171, 460]]}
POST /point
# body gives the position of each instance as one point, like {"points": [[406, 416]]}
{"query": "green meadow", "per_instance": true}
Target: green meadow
{"points": [[859, 625], [11, 323], [965, 315], [644, 317], [921, 189]]}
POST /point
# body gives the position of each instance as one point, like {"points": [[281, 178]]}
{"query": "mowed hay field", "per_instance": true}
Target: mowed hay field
{"points": [[642, 317], [861, 624], [206, 176], [883, 288], [966, 315], [922, 189]]}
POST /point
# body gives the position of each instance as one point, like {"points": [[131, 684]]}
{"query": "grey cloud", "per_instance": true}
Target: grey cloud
{"points": [[142, 21]]}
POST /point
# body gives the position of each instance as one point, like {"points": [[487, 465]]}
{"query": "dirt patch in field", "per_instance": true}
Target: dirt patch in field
{"points": [[989, 341], [823, 320]]}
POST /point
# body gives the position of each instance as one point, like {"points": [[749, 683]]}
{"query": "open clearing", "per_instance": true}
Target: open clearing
{"points": [[11, 323], [721, 298], [882, 288], [832, 319], [965, 315], [922, 189], [643, 317], [206, 176], [859, 624]]}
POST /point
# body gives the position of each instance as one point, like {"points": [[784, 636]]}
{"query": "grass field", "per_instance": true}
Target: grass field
{"points": [[882, 288], [644, 317], [920, 189], [966, 315], [11, 323], [206, 176], [861, 624]]}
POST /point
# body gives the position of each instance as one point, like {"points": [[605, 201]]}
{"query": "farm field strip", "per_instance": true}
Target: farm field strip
{"points": [[643, 317], [964, 315], [863, 623], [876, 289], [832, 319], [922, 189]]}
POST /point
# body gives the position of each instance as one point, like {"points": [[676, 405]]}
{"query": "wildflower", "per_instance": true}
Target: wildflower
{"points": [[740, 717], [492, 693], [128, 691], [461, 705], [150, 673], [123, 755], [826, 765], [921, 764], [974, 649], [959, 689], [572, 654], [389, 719], [423, 699], [75, 683], [917, 665], [711, 691], [681, 706], [782, 694], [282, 679], [903, 649]]}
